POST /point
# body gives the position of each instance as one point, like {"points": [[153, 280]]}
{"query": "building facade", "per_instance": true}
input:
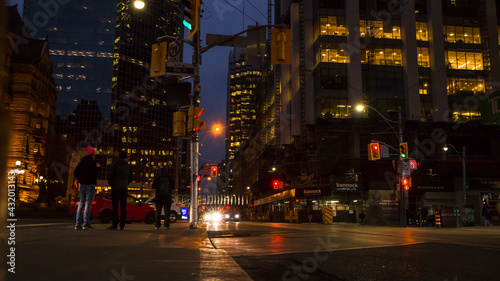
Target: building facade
{"points": [[243, 90], [102, 51], [32, 107], [430, 62]]}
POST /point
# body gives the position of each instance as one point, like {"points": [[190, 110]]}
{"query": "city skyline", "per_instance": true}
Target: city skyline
{"points": [[214, 66]]}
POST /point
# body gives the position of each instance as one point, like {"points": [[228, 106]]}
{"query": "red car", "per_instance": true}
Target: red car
{"points": [[102, 209]]}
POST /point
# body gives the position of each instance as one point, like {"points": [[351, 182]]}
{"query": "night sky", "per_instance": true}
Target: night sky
{"points": [[219, 17]]}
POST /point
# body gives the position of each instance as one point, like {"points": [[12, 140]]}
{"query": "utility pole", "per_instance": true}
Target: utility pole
{"points": [[193, 206], [402, 214]]}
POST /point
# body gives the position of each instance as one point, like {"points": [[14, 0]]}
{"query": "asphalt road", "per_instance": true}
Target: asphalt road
{"points": [[354, 252], [53, 250]]}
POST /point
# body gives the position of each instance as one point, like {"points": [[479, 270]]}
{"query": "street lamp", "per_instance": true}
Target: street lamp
{"points": [[18, 171], [464, 173], [216, 130], [402, 173], [139, 4]]}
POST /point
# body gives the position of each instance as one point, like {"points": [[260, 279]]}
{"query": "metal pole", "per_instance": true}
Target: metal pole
{"points": [[402, 174], [464, 183], [193, 207]]}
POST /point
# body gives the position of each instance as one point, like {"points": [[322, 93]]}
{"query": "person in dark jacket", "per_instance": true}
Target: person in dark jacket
{"points": [[164, 186], [86, 173], [119, 177]]}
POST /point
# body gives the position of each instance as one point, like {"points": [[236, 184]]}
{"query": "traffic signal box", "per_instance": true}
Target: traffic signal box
{"points": [[373, 151], [281, 46], [406, 183], [403, 151], [158, 59], [194, 124], [213, 172], [179, 124], [192, 16], [277, 184], [206, 171]]}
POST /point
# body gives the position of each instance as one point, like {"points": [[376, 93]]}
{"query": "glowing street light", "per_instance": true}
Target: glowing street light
{"points": [[138, 4]]}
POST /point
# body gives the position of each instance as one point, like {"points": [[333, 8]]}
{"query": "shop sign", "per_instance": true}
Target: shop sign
{"points": [[345, 186], [431, 184], [484, 184], [312, 191]]}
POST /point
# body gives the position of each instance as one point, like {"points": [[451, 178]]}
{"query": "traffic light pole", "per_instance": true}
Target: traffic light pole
{"points": [[193, 206], [402, 214]]}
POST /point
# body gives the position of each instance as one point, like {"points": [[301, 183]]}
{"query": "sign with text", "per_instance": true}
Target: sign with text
{"points": [[180, 69], [345, 186], [312, 191]]}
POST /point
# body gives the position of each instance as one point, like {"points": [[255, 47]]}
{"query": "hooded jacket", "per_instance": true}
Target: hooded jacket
{"points": [[120, 174], [86, 171]]}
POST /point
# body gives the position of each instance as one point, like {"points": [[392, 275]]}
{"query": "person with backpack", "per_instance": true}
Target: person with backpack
{"points": [[164, 186], [86, 173], [119, 177]]}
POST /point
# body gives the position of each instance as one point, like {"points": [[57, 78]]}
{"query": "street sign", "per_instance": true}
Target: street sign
{"points": [[174, 52], [413, 164], [180, 69]]}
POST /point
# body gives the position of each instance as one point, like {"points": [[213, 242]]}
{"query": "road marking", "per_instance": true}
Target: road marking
{"points": [[42, 224]]}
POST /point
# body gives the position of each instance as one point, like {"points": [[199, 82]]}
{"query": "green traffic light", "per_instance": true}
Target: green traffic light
{"points": [[403, 155], [187, 24]]}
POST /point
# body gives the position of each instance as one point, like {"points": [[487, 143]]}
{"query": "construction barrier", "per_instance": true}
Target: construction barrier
{"points": [[327, 215]]}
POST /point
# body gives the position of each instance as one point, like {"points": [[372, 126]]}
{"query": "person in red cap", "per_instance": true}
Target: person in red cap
{"points": [[86, 173]]}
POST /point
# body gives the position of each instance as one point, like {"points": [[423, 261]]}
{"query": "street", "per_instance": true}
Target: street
{"points": [[53, 250]]}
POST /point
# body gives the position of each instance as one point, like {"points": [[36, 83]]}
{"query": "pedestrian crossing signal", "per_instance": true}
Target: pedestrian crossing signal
{"points": [[373, 151]]}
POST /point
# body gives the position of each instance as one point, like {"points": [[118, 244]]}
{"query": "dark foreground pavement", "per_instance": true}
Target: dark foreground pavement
{"points": [[254, 251], [55, 251]]}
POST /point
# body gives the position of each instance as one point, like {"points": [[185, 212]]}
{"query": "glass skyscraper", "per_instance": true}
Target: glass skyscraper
{"points": [[101, 51]]}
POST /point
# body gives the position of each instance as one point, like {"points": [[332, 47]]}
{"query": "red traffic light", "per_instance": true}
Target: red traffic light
{"points": [[227, 207], [276, 184], [404, 181], [375, 147], [198, 178]]}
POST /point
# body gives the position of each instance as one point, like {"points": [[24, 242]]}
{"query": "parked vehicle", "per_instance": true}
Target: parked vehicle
{"points": [[175, 208], [102, 209]]}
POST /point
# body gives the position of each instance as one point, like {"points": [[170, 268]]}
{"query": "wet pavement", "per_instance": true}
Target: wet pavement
{"points": [[53, 250]]}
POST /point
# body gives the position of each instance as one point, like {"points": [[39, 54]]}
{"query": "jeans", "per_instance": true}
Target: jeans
{"points": [[163, 202], [119, 196], [87, 192]]}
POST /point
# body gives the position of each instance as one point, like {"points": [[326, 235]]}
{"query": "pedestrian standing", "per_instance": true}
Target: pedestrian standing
{"points": [[86, 173], [164, 186], [486, 214], [119, 177], [362, 217]]}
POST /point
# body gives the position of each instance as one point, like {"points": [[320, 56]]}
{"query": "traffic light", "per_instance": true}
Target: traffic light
{"points": [[192, 16], [405, 183], [158, 65], [403, 151], [194, 124], [179, 124], [206, 171], [213, 171], [281, 46], [373, 151], [277, 184]]}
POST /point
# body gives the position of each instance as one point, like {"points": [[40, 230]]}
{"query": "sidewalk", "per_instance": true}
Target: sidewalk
{"points": [[56, 251]]}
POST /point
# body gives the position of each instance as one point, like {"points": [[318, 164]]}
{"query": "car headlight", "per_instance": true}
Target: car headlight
{"points": [[237, 216], [216, 217], [227, 216], [208, 217]]}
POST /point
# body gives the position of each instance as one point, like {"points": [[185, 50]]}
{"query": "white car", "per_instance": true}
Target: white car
{"points": [[175, 208]]}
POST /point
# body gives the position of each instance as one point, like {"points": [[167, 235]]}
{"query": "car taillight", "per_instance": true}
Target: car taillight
{"points": [[178, 205], [72, 203], [93, 202]]}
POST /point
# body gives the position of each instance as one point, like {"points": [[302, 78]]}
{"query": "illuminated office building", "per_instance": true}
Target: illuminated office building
{"points": [[243, 88], [433, 61]]}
